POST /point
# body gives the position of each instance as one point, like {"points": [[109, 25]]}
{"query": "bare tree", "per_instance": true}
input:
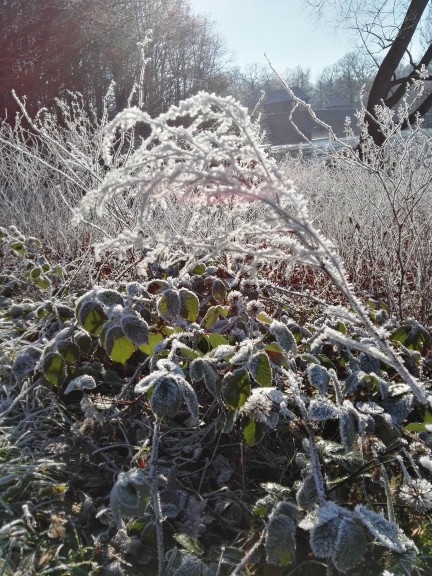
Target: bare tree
{"points": [[48, 47], [390, 31]]}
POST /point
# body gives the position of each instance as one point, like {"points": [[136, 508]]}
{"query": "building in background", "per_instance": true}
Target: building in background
{"points": [[280, 115]]}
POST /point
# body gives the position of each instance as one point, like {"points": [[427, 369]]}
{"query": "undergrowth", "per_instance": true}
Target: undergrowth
{"points": [[197, 387], [196, 421]]}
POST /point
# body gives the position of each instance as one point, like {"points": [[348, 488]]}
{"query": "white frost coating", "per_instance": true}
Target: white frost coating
{"points": [[386, 532], [207, 152], [84, 382]]}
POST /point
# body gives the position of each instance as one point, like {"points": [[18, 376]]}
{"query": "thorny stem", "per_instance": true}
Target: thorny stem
{"points": [[155, 496], [245, 560], [316, 468]]}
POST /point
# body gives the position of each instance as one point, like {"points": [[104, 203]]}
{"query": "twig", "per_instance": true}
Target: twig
{"points": [[155, 497], [242, 565]]}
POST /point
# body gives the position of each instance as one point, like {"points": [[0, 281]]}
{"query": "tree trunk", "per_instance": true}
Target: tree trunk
{"points": [[382, 84]]}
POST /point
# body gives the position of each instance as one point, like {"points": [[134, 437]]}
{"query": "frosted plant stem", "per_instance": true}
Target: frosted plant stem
{"points": [[242, 565], [316, 469], [155, 496], [390, 509]]}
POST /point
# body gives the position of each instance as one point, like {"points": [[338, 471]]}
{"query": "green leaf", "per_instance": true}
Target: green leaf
{"points": [[219, 290], [189, 305], [340, 327], [260, 369], [264, 318], [207, 342], [43, 282], [188, 353], [18, 247], [118, 346], [276, 353], [253, 431], [69, 350], [57, 271], [236, 388], [153, 340], [54, 368], [412, 335], [420, 426], [91, 316], [199, 268], [168, 305], [212, 315], [189, 544], [35, 272]]}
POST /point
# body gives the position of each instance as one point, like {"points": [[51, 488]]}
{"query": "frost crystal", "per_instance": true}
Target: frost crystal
{"points": [[417, 495], [264, 405]]}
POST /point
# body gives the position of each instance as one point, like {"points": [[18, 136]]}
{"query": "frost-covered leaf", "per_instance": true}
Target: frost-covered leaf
{"points": [[236, 388], [90, 315], [135, 328], [354, 380], [69, 350], [54, 368], [173, 502], [219, 290], [284, 336], [399, 409], [322, 409], [109, 297], [84, 382], [243, 354], [318, 377], [169, 304], [385, 531], [23, 365], [200, 369], [90, 411], [190, 567], [154, 338], [166, 398], [369, 407], [347, 427], [148, 382], [189, 305], [307, 494], [212, 316], [412, 335], [130, 495], [321, 515], [280, 542], [260, 369], [118, 345], [190, 397], [323, 538], [276, 353], [369, 363], [350, 546]]}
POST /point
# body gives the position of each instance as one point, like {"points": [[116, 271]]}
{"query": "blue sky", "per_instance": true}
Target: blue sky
{"points": [[284, 29]]}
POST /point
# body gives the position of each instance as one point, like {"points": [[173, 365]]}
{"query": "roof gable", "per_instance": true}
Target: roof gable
{"points": [[283, 96]]}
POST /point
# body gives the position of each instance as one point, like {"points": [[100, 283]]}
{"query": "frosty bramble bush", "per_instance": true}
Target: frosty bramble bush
{"points": [[206, 421], [216, 423]]}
